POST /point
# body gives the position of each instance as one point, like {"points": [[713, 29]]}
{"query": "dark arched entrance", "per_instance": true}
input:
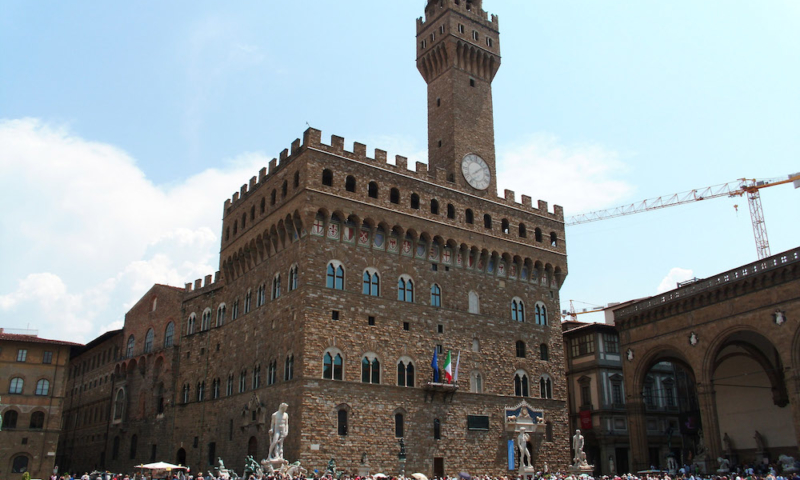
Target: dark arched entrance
{"points": [[252, 447], [180, 459]]}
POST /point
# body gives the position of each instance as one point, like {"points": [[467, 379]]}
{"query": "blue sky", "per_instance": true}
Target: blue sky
{"points": [[123, 128]]}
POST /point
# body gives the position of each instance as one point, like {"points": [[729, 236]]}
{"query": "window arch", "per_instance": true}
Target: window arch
{"points": [[434, 206], [415, 201], [350, 183], [504, 226], [129, 348], [394, 195], [248, 298], [276, 286], [451, 211], [37, 421], [469, 217], [190, 323], [221, 314], [16, 385], [327, 178], [43, 387], [371, 283], [437, 429], [288, 368], [370, 369], [540, 313], [263, 205], [538, 234], [235, 227], [244, 220], [474, 302], [119, 404], [487, 221], [334, 277], [19, 464], [372, 190], [341, 421], [399, 425], [476, 382], [332, 365], [284, 189], [517, 310], [134, 445], [553, 239], [521, 388], [293, 278], [544, 353], [169, 334], [436, 296], [273, 197], [296, 179], [405, 289], [545, 386], [10, 418], [523, 232], [520, 349], [405, 372]]}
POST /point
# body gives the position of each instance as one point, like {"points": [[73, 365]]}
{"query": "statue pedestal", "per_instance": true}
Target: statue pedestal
{"points": [[702, 464], [275, 463], [363, 471], [580, 469], [527, 472], [723, 471]]}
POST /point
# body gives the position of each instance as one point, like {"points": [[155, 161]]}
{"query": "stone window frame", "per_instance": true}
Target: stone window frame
{"points": [[16, 386], [372, 358], [540, 314], [403, 289], [288, 367], [293, 273], [333, 352], [545, 386], [221, 308], [477, 303], [276, 286], [544, 352], [406, 362], [332, 279], [205, 320], [42, 387], [436, 295], [476, 381], [191, 322], [149, 339], [248, 300], [261, 295], [517, 309], [370, 284], [520, 349], [522, 387], [585, 385], [118, 415], [129, 347]]}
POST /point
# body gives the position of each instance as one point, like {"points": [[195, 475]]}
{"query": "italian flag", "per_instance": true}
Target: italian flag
{"points": [[448, 369]]}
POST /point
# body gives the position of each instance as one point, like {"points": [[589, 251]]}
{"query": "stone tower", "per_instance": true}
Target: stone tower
{"points": [[458, 55]]}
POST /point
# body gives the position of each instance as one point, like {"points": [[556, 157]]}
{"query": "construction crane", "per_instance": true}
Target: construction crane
{"points": [[736, 188], [573, 315]]}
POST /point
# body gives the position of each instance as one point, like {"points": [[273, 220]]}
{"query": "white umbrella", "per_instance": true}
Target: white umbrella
{"points": [[380, 475], [419, 476], [161, 466]]}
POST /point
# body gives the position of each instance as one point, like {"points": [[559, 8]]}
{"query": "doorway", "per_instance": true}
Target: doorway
{"points": [[438, 467]]}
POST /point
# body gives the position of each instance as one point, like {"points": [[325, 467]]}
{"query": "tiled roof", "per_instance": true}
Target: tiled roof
{"points": [[11, 337]]}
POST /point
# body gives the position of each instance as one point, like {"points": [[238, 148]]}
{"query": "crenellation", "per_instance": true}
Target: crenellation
{"points": [[312, 137], [509, 196], [284, 155], [380, 157], [360, 151], [188, 287], [217, 276], [273, 165], [235, 197], [527, 202], [198, 284], [295, 146], [543, 207], [337, 143], [558, 211], [243, 191], [252, 184], [207, 280], [400, 162], [262, 175]]}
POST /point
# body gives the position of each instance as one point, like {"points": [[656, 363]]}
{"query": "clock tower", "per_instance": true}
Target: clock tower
{"points": [[458, 55]]}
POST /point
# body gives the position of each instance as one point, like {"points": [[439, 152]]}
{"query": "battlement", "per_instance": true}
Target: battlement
{"points": [[312, 139], [472, 9], [203, 285]]}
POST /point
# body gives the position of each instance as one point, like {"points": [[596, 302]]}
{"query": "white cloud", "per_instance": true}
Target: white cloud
{"points": [[674, 276], [90, 233], [580, 178]]}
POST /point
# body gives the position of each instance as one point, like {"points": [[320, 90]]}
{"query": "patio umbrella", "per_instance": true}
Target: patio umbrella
{"points": [[419, 476], [380, 475], [465, 476]]}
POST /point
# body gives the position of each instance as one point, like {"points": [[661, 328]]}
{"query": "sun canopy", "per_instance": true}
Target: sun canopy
{"points": [[161, 466]]}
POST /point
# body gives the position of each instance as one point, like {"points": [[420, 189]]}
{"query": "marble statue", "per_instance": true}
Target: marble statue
{"points": [[787, 463], [364, 460], [577, 444], [611, 464], [760, 444], [331, 468], [724, 465], [546, 468], [522, 445], [701, 445], [278, 430], [672, 465]]}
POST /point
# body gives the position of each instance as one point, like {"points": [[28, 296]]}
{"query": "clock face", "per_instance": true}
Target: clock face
{"points": [[475, 171]]}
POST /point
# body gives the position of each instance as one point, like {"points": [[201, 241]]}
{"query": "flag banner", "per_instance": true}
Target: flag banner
{"points": [[448, 369], [586, 420], [511, 455], [458, 360], [435, 366]]}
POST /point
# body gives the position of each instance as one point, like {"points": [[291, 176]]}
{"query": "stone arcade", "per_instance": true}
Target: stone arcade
{"points": [[339, 275]]}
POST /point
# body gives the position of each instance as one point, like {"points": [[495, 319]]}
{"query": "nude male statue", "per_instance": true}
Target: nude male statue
{"points": [[577, 445], [522, 444], [278, 430]]}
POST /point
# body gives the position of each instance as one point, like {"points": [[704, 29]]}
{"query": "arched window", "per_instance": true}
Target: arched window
{"points": [[10, 419], [288, 368], [341, 422], [327, 178], [148, 340], [487, 221], [263, 205], [296, 179], [437, 429], [405, 373], [544, 354], [517, 310], [545, 387], [350, 183], [332, 366], [252, 212], [235, 310], [434, 206], [221, 314], [42, 387], [372, 190], [474, 302], [405, 289], [273, 197], [548, 432], [540, 314], [399, 424], [244, 220], [553, 239], [284, 189], [469, 216], [520, 349], [119, 404], [129, 348], [235, 226], [276, 286], [169, 334], [504, 226], [415, 201], [371, 283], [19, 464], [521, 384], [227, 233], [335, 276], [15, 387], [394, 195], [293, 278], [436, 296], [248, 298], [370, 369], [523, 233], [476, 382], [134, 444], [190, 323], [451, 211], [538, 234], [37, 420]]}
